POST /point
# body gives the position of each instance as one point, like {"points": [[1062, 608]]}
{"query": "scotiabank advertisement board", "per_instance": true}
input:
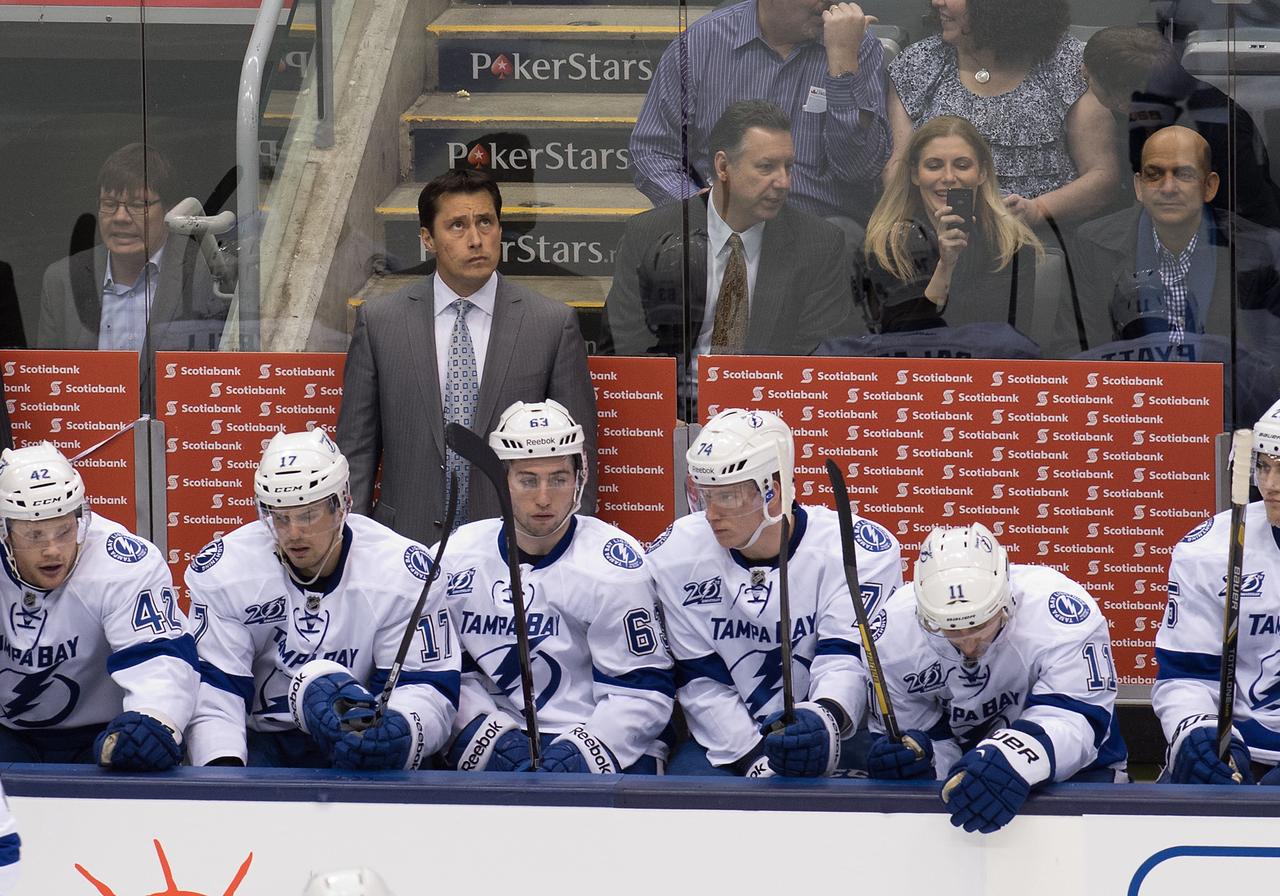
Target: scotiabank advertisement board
{"points": [[636, 406], [84, 403], [219, 412], [1094, 468]]}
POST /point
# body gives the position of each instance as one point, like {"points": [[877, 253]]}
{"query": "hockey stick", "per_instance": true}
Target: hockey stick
{"points": [[473, 449], [415, 617], [841, 495], [784, 625], [1241, 463]]}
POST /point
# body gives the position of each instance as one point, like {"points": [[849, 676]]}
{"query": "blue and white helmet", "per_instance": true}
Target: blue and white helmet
{"points": [[739, 445], [38, 483], [300, 468], [961, 578], [536, 429], [353, 882], [1266, 432]]}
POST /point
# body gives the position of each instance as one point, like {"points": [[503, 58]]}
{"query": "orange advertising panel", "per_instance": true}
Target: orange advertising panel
{"points": [[1094, 468], [636, 402], [85, 403], [219, 411]]}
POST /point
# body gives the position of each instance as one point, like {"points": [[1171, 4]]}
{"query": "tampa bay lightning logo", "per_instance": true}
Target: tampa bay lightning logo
{"points": [[27, 623], [1250, 585], [755, 597], [311, 626], [974, 677], [39, 699], [930, 679], [657, 542], [277, 684], [765, 668], [1198, 532], [501, 593], [417, 562], [504, 663], [1067, 608], [125, 548], [878, 624], [619, 553], [1264, 693], [209, 555], [871, 537], [460, 582]]}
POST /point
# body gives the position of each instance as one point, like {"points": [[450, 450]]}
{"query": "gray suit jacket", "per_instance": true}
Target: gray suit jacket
{"points": [[802, 295], [392, 412]]}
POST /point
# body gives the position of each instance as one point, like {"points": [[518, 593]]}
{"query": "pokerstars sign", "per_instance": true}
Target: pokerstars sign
{"points": [[81, 401], [219, 411], [1094, 468]]}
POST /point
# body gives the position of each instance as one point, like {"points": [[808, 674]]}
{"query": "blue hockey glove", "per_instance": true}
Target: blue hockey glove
{"points": [[988, 786], [386, 745], [580, 751], [1271, 778], [136, 742], [807, 748], [327, 702], [1197, 761], [490, 743], [905, 761]]}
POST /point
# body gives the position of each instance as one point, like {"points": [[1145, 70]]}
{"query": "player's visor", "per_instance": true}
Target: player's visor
{"points": [[735, 499], [970, 643], [317, 518]]}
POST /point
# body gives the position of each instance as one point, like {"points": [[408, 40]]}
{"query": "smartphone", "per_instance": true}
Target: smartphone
{"points": [[961, 201]]}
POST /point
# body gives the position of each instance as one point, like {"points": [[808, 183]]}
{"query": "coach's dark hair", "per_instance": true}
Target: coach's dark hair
{"points": [[727, 135], [135, 168], [1123, 58], [460, 181]]}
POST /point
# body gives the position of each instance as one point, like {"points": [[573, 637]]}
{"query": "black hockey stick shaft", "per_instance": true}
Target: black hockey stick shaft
{"points": [[477, 452], [411, 629], [848, 549], [1241, 467], [784, 625]]}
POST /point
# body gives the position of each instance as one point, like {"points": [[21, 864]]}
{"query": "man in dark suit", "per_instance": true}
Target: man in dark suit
{"points": [[396, 390], [1166, 264], [798, 289], [141, 289]]}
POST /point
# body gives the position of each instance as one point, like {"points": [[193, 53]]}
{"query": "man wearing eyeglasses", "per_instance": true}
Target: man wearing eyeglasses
{"points": [[1172, 253], [601, 675], [140, 289]]}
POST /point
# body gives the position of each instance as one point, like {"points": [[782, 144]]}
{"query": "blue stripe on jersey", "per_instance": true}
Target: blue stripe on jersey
{"points": [[10, 847], [646, 679], [837, 647], [182, 647], [709, 666], [1098, 718], [1178, 664], [1258, 735], [447, 683], [469, 665], [239, 685]]}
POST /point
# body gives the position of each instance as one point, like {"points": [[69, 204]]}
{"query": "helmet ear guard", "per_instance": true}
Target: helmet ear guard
{"points": [[961, 578]]}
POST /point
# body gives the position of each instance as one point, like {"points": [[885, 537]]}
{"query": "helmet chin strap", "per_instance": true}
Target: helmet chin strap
{"points": [[577, 505], [764, 524], [284, 561]]}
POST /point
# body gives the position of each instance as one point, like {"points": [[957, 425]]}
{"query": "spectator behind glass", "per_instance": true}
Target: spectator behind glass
{"points": [[925, 265], [1135, 73], [1010, 67]]}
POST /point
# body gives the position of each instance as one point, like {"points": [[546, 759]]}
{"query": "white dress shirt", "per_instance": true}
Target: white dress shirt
{"points": [[126, 309], [718, 233]]}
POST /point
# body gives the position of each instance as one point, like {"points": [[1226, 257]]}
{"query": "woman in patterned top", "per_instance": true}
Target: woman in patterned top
{"points": [[1010, 68]]}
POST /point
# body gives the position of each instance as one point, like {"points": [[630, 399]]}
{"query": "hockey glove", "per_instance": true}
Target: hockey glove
{"points": [[905, 761], [386, 745], [988, 786], [326, 702], [807, 748], [490, 743], [578, 750], [136, 742], [1197, 760]]}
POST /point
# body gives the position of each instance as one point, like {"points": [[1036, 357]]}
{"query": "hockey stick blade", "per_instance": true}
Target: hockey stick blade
{"points": [[847, 548], [393, 677], [1241, 466], [476, 451]]}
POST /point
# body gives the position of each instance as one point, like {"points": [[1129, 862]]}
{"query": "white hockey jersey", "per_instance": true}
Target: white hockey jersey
{"points": [[111, 638], [1050, 664], [1189, 642], [595, 638], [722, 617], [255, 627]]}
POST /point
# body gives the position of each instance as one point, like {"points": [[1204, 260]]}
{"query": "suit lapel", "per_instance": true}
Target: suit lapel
{"points": [[508, 314], [777, 261], [169, 299], [420, 337], [87, 273]]}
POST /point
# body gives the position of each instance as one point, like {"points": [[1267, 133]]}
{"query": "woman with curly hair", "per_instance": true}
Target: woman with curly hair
{"points": [[1010, 67], [926, 265]]}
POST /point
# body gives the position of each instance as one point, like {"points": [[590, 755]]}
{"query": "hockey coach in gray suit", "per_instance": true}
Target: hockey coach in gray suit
{"points": [[460, 345]]}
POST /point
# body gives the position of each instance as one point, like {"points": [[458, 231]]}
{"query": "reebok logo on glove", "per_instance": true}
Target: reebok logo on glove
{"points": [[593, 749], [491, 729]]}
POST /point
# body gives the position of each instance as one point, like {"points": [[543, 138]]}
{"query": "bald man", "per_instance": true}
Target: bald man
{"points": [[1161, 270]]}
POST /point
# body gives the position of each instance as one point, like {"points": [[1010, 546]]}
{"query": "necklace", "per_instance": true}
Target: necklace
{"points": [[982, 76]]}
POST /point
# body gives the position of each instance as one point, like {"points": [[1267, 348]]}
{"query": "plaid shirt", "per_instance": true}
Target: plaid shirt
{"points": [[1173, 276]]}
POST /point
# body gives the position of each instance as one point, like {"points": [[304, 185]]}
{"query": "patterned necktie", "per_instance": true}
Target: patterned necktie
{"points": [[729, 334], [461, 393]]}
